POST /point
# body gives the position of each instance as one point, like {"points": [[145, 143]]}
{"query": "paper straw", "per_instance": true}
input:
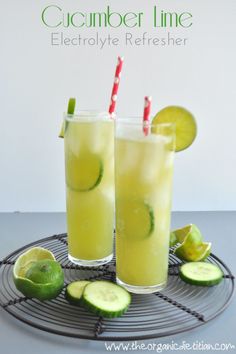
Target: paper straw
{"points": [[115, 86], [146, 114]]}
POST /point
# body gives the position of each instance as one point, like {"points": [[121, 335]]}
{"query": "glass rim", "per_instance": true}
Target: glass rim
{"points": [[87, 115], [138, 121]]}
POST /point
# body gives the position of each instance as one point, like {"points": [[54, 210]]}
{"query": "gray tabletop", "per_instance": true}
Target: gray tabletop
{"points": [[19, 229]]}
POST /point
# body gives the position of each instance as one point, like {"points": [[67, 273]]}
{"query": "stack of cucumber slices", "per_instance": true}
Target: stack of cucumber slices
{"points": [[100, 297]]}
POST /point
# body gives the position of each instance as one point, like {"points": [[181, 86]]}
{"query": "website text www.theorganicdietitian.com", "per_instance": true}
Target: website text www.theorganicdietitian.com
{"points": [[164, 347]]}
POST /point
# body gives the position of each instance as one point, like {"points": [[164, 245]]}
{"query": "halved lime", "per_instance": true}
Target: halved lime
{"points": [[36, 274], [173, 239], [83, 172], [191, 253], [135, 219], [186, 230], [70, 110], [185, 125], [192, 247]]}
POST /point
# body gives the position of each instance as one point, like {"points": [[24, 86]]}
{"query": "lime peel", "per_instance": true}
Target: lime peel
{"points": [[29, 288], [191, 248]]}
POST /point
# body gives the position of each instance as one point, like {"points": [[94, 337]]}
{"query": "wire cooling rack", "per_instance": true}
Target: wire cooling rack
{"points": [[178, 308]]}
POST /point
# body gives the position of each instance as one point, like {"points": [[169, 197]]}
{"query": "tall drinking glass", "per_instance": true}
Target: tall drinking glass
{"points": [[89, 169], [143, 180]]}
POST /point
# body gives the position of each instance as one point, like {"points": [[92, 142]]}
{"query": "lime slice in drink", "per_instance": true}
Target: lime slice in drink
{"points": [[70, 110], [38, 275], [83, 172], [185, 125], [135, 219]]}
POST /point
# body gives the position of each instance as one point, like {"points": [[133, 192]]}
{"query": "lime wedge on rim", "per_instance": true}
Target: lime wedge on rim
{"points": [[37, 274], [70, 110], [185, 125]]}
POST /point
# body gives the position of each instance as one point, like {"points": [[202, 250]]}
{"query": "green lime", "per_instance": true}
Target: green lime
{"points": [[83, 172], [70, 110], [135, 219], [192, 247], [173, 239], [44, 271], [185, 125], [191, 229], [37, 275]]}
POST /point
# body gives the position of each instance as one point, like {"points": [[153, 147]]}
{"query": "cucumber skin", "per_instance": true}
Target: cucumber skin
{"points": [[71, 299], [199, 282], [92, 308], [108, 314]]}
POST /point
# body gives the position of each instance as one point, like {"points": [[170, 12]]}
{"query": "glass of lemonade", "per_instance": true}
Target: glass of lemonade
{"points": [[89, 170], [143, 180]]}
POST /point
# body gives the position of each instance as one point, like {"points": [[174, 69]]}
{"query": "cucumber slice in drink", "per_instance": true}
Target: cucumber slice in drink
{"points": [[135, 219], [201, 273], [83, 172], [75, 290], [105, 299], [70, 110]]}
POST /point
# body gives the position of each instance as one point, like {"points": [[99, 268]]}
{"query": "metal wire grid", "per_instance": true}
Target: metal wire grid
{"points": [[178, 308]]}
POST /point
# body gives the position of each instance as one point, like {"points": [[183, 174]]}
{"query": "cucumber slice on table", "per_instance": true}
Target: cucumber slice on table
{"points": [[74, 291], [201, 273], [135, 219], [83, 172], [105, 298]]}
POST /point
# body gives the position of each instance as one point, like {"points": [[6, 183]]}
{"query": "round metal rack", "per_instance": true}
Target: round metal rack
{"points": [[178, 308]]}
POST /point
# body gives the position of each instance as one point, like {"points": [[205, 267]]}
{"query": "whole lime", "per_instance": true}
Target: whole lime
{"points": [[44, 271], [38, 275]]}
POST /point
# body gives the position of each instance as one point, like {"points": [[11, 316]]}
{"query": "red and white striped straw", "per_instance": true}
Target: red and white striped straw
{"points": [[115, 86], [146, 114]]}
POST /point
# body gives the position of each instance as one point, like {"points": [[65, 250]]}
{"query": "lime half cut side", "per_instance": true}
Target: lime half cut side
{"points": [[191, 248], [38, 264], [70, 110], [185, 125]]}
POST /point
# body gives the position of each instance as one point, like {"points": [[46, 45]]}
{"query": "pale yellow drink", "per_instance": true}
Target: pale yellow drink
{"points": [[144, 168], [89, 167]]}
